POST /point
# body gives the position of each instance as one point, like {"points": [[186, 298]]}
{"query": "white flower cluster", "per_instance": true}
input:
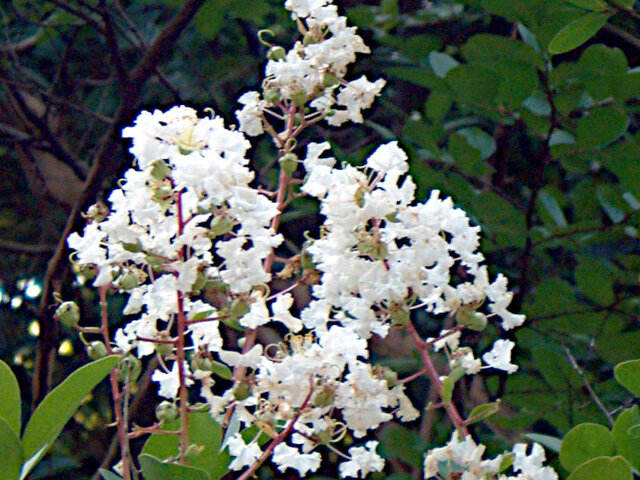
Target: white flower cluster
{"points": [[462, 459], [381, 254], [312, 72], [191, 241]]}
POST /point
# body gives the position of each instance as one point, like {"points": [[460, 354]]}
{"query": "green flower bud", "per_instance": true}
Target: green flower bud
{"points": [[289, 163], [329, 79], [68, 313], [241, 391], [299, 98], [167, 411], [97, 212], [238, 309], [306, 262], [272, 95], [400, 317], [276, 53], [472, 319], [359, 197], [160, 170], [127, 280], [199, 362], [220, 225], [96, 350], [129, 367], [324, 397]]}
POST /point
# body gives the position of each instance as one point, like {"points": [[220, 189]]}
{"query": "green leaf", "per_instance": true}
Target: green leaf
{"points": [[473, 84], [578, 32], [552, 443], [399, 442], [418, 76], [155, 469], [601, 127], [628, 4], [482, 412], [11, 448], [10, 403], [628, 375], [626, 444], [595, 280], [479, 140], [108, 474], [489, 49], [611, 202], [441, 63], [585, 442], [437, 105], [609, 468], [204, 431], [58, 407], [593, 5], [551, 207]]}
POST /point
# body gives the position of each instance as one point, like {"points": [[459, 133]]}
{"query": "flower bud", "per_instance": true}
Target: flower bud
{"points": [[198, 362], [299, 98], [472, 319], [97, 212], [127, 280], [324, 397], [241, 391], [272, 95], [276, 53], [129, 367], [329, 79], [96, 350], [160, 170], [238, 309], [68, 313], [220, 225], [166, 411], [163, 349], [289, 163]]}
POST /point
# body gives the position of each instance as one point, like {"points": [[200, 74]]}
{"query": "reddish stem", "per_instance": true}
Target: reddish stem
{"points": [[434, 376], [115, 388]]}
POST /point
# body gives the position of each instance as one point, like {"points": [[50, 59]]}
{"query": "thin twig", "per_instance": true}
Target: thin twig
{"points": [[587, 385]]}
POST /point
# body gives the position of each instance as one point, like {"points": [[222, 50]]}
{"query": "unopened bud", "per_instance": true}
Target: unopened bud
{"points": [[324, 397], [472, 319], [129, 368], [163, 349], [199, 362], [167, 411], [289, 163], [127, 280], [329, 79], [96, 350], [272, 95], [241, 391], [220, 225], [68, 313], [160, 170], [299, 98], [276, 53]]}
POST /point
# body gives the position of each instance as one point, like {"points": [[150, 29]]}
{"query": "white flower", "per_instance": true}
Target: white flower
{"points": [[500, 356], [249, 116], [281, 312], [364, 460], [170, 382], [244, 454], [288, 457]]}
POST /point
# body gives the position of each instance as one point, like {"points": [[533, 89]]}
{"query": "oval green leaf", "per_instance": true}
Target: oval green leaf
{"points": [[593, 5], [626, 444], [609, 468], [578, 32], [585, 442], [628, 375], [11, 448], [108, 474], [482, 412], [154, 469], [10, 403], [601, 127], [58, 407], [203, 430]]}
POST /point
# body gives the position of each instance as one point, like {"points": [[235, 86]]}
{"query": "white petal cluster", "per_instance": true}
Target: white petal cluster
{"points": [[379, 248], [312, 72], [463, 458]]}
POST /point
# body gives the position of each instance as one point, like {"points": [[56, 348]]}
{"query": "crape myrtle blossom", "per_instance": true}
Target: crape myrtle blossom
{"points": [[462, 459], [190, 239], [312, 73]]}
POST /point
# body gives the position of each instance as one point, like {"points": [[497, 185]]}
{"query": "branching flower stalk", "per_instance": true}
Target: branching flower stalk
{"points": [[192, 242]]}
